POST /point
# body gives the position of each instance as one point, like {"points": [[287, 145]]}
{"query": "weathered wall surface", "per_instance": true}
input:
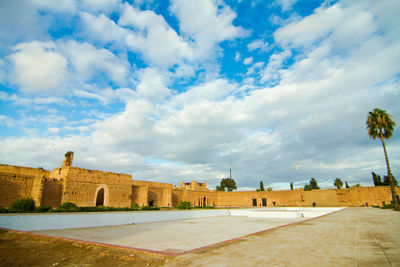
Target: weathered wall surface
{"points": [[81, 185], [36, 172], [359, 196], [21, 182], [52, 193], [13, 186], [90, 187]]}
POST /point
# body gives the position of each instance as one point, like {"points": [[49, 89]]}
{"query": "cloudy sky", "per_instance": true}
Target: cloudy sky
{"points": [[176, 91]]}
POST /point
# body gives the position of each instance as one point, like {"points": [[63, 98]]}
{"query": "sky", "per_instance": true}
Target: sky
{"points": [[172, 91]]}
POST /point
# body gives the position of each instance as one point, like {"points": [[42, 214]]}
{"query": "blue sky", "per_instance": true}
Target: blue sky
{"points": [[174, 91]]}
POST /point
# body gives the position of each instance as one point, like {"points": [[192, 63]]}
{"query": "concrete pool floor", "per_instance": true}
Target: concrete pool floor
{"points": [[174, 237]]}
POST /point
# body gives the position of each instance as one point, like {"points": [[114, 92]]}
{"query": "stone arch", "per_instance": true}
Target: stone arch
{"points": [[152, 199], [101, 197]]}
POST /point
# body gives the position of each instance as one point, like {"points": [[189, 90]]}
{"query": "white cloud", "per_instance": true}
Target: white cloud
{"points": [[106, 96], [258, 44], [311, 113], [102, 28], [106, 6], [248, 60], [18, 22], [271, 73], [286, 5], [152, 85], [38, 67], [159, 44], [89, 61], [60, 6], [206, 24], [237, 56], [53, 130]]}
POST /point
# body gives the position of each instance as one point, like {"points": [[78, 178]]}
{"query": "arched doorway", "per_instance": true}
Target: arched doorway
{"points": [[152, 199], [100, 198]]}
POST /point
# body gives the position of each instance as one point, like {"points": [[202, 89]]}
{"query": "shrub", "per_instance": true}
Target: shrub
{"points": [[43, 209], [68, 205], [135, 206], [204, 207], [150, 208], [185, 205], [22, 204]]}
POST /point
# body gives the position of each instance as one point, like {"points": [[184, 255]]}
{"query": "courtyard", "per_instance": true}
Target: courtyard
{"points": [[350, 237]]}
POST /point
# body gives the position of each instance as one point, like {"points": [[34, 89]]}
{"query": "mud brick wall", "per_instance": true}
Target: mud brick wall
{"points": [[81, 185], [52, 193], [13, 186], [19, 170]]}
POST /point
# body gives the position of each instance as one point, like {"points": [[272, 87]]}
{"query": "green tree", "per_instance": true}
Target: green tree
{"points": [[291, 186], [377, 179], [228, 184], [338, 183], [386, 180], [380, 125], [262, 186], [347, 185], [312, 185]]}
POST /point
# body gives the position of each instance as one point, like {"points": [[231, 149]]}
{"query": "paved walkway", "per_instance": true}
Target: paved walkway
{"points": [[352, 237]]}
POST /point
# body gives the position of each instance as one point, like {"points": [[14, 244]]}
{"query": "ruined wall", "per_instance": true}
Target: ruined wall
{"points": [[13, 186], [52, 193], [178, 195], [36, 172], [20, 182], [81, 185], [147, 193], [362, 196], [351, 197]]}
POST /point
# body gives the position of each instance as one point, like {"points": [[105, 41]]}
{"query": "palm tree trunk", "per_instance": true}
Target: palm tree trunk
{"points": [[392, 187]]}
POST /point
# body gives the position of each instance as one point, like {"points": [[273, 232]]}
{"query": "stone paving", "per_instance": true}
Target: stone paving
{"points": [[351, 237]]}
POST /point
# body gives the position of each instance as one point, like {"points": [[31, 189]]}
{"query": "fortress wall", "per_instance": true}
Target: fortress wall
{"points": [[83, 193], [281, 198], [120, 196], [52, 193], [235, 199], [153, 184], [178, 195], [355, 197], [59, 173], [37, 172], [201, 198], [360, 196], [96, 176], [325, 198], [140, 195], [13, 186]]}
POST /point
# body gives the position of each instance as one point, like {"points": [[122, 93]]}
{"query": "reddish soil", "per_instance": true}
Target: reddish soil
{"points": [[24, 249]]}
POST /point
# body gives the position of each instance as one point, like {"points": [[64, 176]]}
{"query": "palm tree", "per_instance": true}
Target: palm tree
{"points": [[338, 183], [380, 124]]}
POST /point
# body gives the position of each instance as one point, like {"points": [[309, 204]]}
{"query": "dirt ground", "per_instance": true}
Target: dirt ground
{"points": [[351, 237], [21, 249]]}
